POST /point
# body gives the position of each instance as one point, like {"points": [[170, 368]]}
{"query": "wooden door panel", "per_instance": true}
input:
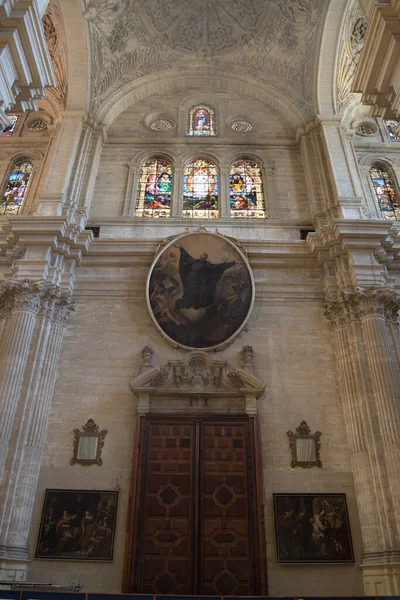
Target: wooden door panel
{"points": [[225, 552], [166, 556], [195, 527]]}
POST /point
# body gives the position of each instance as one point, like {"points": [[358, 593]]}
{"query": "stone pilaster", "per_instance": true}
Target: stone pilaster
{"points": [[22, 302], [364, 329], [28, 424]]}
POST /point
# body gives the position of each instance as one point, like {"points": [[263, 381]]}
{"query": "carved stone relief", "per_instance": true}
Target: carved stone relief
{"points": [[272, 41], [56, 43], [37, 298], [197, 381]]}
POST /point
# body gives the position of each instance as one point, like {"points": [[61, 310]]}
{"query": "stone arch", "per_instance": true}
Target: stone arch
{"points": [[77, 59], [144, 87], [324, 90]]}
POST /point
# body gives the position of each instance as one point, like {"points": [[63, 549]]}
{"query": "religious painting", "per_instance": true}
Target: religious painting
{"points": [[246, 190], [200, 291], [15, 191], [200, 190], [201, 121], [154, 189], [77, 525], [312, 528], [385, 193]]}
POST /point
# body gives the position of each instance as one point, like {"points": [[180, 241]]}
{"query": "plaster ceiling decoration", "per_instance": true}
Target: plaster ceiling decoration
{"points": [[270, 40]]}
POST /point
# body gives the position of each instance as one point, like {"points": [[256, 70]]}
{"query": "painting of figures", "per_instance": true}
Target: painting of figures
{"points": [[312, 528], [77, 525], [200, 290]]}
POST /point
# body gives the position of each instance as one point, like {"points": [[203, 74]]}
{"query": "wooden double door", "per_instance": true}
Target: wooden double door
{"points": [[197, 526]]}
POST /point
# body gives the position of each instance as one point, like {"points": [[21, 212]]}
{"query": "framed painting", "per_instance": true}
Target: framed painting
{"points": [[200, 290], [77, 525], [312, 528]]}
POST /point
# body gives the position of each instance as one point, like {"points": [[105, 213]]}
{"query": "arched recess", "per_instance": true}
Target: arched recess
{"points": [[172, 81], [77, 57], [325, 79]]}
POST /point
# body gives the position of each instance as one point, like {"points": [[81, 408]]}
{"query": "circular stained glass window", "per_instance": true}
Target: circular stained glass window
{"points": [[241, 125], [38, 125], [365, 130], [161, 125]]}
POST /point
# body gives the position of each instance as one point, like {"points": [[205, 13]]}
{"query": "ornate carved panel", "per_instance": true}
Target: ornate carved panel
{"points": [[196, 530]]}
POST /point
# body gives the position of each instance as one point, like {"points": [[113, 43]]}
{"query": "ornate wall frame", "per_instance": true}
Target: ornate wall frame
{"points": [[88, 444], [305, 447]]}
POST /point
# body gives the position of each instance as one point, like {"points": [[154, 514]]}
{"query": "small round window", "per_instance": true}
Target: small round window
{"points": [[161, 125], [241, 125], [37, 125]]}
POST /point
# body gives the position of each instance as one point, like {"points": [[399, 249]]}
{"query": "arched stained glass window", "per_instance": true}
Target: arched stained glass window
{"points": [[200, 190], [15, 191], [8, 131], [154, 189], [201, 121], [246, 191], [385, 193], [392, 129]]}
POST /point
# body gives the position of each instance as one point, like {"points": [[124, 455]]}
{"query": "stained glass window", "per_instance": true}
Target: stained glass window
{"points": [[391, 127], [365, 130], [241, 125], [385, 193], [7, 131], [161, 125], [201, 121], [15, 191], [200, 190], [38, 125], [246, 190], [154, 189]]}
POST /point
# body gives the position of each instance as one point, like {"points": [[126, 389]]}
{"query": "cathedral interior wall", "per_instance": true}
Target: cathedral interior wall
{"points": [[102, 352]]}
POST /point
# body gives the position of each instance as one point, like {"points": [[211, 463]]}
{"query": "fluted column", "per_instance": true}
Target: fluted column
{"points": [[373, 306], [25, 303], [30, 423], [365, 345], [354, 390]]}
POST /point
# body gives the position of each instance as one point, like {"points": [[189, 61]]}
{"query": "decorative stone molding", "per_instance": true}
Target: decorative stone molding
{"points": [[56, 43], [197, 378], [115, 64], [36, 298], [147, 358], [366, 302]]}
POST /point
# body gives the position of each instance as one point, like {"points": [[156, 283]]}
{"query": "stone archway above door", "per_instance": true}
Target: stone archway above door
{"points": [[197, 383]]}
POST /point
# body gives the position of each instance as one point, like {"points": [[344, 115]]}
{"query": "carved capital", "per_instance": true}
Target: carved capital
{"points": [[35, 297], [380, 302], [20, 295], [337, 314], [62, 309], [365, 302]]}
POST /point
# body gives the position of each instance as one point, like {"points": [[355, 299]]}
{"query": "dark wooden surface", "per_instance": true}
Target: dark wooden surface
{"points": [[196, 505]]}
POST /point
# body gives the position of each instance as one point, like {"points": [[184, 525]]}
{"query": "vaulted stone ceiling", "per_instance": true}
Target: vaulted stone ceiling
{"points": [[274, 41]]}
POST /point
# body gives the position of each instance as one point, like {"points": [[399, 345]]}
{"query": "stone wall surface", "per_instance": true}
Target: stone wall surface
{"points": [[102, 351]]}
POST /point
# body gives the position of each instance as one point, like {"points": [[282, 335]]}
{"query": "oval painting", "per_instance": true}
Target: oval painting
{"points": [[200, 291]]}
